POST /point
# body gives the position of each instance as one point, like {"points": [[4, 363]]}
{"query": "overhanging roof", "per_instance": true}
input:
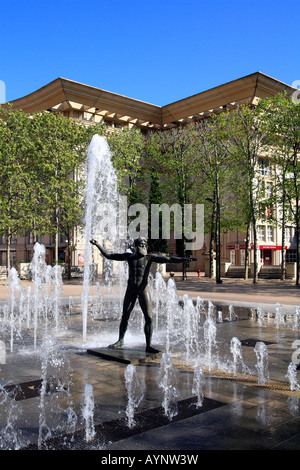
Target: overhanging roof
{"points": [[244, 90], [62, 94]]}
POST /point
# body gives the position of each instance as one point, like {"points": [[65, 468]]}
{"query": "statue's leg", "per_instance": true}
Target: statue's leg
{"points": [[146, 306], [128, 304]]}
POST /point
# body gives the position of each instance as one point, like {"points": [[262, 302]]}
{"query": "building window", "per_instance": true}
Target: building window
{"points": [[264, 168], [62, 238], [290, 256], [30, 238], [3, 240], [261, 233], [270, 234], [3, 258], [242, 257]]}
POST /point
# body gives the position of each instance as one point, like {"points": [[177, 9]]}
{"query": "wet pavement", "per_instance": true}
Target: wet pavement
{"points": [[237, 412]]}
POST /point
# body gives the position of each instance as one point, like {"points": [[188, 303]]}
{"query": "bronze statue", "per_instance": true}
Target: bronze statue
{"points": [[139, 264]]}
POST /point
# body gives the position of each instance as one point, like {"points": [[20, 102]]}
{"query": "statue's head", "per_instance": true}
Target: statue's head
{"points": [[140, 245]]}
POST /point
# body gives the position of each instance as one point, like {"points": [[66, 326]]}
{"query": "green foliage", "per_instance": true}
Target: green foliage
{"points": [[41, 161], [159, 245], [60, 150], [174, 158], [15, 174], [128, 148]]}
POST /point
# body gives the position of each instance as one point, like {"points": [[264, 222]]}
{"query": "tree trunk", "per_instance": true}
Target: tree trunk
{"points": [[56, 249], [8, 244], [254, 228], [297, 221], [211, 245], [246, 254], [283, 260], [69, 257], [255, 273], [298, 244], [218, 234]]}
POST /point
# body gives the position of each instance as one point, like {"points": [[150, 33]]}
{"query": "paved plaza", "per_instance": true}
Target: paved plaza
{"points": [[237, 412]]}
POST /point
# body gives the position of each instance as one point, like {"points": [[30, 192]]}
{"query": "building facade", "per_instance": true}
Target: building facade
{"points": [[93, 105]]}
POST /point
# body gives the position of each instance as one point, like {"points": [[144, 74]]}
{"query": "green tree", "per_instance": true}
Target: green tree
{"points": [[16, 177], [155, 197], [174, 156], [218, 185], [128, 148], [60, 150], [246, 142]]}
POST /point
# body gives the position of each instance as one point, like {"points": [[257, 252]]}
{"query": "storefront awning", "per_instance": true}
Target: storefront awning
{"points": [[260, 247], [271, 247]]}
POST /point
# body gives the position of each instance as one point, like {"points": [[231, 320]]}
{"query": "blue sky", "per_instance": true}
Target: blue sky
{"points": [[157, 51]]}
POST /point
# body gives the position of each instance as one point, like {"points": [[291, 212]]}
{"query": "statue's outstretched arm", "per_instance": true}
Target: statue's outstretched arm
{"points": [[106, 254], [170, 259]]}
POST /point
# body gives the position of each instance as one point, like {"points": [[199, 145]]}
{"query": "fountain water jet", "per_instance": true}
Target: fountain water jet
{"points": [[292, 376], [158, 293], [235, 349], [210, 332], [220, 316], [279, 315], [231, 315], [15, 288], [259, 316], [11, 437], [54, 380], [191, 329], [198, 382], [37, 268], [134, 393], [261, 352], [88, 412], [171, 309], [168, 383], [101, 203]]}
